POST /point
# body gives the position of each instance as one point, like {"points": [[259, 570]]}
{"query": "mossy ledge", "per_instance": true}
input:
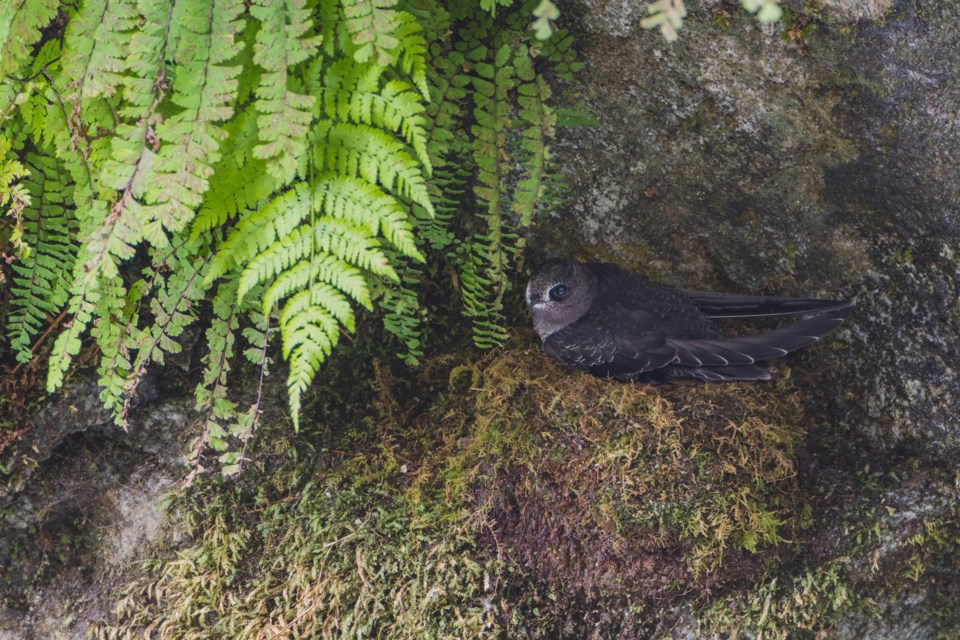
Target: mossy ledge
{"points": [[507, 497]]}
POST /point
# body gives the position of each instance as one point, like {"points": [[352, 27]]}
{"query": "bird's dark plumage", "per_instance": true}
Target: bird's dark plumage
{"points": [[608, 321]]}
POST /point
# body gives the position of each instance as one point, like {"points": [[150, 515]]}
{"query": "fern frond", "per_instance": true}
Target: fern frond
{"points": [[174, 306], [211, 392], [257, 337], [14, 195], [133, 145], [403, 314], [484, 269], [365, 205], [476, 285], [68, 343], [325, 268], [204, 88], [310, 332], [413, 50], [21, 22], [373, 155], [240, 181], [110, 331], [371, 25], [281, 45], [94, 49], [221, 417], [63, 132], [329, 236], [260, 229], [353, 93], [538, 124], [40, 276], [449, 147]]}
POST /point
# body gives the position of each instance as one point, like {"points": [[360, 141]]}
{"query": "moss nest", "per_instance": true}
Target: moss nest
{"points": [[608, 490], [508, 497]]}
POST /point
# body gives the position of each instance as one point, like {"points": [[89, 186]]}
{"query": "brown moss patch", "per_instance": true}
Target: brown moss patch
{"points": [[609, 491]]}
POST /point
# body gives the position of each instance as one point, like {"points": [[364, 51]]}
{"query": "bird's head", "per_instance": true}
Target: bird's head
{"points": [[559, 292]]}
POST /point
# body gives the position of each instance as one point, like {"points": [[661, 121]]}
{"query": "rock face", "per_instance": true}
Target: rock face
{"points": [[818, 157], [82, 501]]}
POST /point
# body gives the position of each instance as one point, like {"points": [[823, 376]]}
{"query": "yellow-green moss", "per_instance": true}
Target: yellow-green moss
{"points": [[507, 497]]}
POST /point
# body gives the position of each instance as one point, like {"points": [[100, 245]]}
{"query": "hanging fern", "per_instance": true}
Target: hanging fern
{"points": [[39, 281], [280, 46], [371, 25], [203, 88], [21, 22], [512, 124], [285, 165]]}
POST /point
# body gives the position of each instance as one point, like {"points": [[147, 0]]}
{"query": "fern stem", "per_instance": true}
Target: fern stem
{"points": [[261, 382], [33, 348]]}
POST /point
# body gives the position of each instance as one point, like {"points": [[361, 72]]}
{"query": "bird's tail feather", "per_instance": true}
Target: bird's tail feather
{"points": [[720, 374], [725, 305]]}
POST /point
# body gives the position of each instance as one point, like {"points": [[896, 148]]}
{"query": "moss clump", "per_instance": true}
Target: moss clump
{"points": [[505, 498], [604, 491]]}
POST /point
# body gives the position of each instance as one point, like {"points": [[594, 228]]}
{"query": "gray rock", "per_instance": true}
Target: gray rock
{"points": [[83, 503]]}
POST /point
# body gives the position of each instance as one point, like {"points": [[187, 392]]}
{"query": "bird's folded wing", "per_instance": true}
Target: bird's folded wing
{"points": [[616, 344], [599, 350], [750, 349]]}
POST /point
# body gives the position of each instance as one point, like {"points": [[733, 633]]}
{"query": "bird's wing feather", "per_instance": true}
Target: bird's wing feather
{"points": [[750, 349], [725, 305]]}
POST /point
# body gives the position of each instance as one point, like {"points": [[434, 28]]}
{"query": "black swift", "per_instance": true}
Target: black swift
{"points": [[605, 320]]}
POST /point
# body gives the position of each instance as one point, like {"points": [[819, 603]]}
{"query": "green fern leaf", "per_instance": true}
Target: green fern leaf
{"points": [[348, 243], [538, 123], [174, 306], [220, 340], [110, 332], [260, 229], [403, 314], [310, 332], [204, 88], [366, 205], [40, 277], [353, 93], [240, 181], [133, 146], [12, 193], [327, 268], [94, 48], [373, 155], [281, 45], [371, 24], [68, 343], [413, 51], [21, 22]]}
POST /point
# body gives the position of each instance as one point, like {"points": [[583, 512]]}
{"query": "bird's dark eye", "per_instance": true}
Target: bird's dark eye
{"points": [[559, 292]]}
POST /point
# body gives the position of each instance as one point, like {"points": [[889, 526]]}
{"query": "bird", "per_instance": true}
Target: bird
{"points": [[610, 322]]}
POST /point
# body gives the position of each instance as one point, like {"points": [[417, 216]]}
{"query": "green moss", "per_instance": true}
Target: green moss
{"points": [[506, 498], [511, 498]]}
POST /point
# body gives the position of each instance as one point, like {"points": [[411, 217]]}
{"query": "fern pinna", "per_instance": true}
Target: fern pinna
{"points": [[273, 165]]}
